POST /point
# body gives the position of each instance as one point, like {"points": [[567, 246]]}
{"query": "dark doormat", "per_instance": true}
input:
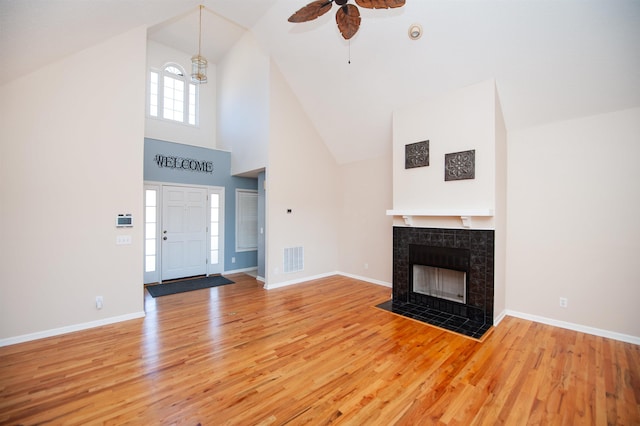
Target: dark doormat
{"points": [[187, 285]]}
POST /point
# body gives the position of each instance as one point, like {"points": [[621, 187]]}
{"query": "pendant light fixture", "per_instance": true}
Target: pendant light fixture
{"points": [[199, 62]]}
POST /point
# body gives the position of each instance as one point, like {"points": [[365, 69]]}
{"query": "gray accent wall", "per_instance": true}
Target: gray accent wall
{"points": [[219, 176]]}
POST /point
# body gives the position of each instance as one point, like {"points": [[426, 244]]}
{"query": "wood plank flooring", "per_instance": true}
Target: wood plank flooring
{"points": [[314, 353]]}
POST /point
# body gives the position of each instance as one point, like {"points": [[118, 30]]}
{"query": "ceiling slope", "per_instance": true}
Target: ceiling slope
{"points": [[551, 59], [34, 33]]}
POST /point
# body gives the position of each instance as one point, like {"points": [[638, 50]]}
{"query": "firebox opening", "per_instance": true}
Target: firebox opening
{"points": [[440, 282]]}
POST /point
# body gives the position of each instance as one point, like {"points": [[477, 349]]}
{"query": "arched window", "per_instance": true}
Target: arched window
{"points": [[172, 96]]}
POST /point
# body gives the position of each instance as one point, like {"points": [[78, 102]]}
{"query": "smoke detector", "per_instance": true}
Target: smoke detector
{"points": [[415, 31]]}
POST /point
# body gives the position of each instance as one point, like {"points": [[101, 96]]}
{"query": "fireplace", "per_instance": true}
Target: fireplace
{"points": [[444, 277], [438, 272]]}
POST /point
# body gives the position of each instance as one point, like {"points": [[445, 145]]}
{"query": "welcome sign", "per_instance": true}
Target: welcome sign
{"points": [[190, 164]]}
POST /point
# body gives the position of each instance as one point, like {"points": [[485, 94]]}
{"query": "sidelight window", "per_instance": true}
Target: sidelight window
{"points": [[151, 214]]}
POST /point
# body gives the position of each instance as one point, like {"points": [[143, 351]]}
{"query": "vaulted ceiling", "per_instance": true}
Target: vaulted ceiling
{"points": [[551, 59]]}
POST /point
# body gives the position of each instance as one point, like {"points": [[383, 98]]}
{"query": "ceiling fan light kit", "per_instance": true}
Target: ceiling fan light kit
{"points": [[199, 62], [347, 16]]}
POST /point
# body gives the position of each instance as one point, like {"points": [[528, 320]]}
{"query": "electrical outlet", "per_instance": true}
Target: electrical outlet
{"points": [[99, 302], [564, 302], [366, 266], [233, 260]]}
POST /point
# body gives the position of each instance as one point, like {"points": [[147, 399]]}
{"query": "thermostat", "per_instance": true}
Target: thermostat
{"points": [[124, 221]]}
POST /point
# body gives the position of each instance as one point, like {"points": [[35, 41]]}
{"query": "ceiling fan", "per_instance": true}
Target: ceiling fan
{"points": [[347, 16]]}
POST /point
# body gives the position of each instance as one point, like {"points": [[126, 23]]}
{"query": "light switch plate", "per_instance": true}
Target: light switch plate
{"points": [[123, 240]]}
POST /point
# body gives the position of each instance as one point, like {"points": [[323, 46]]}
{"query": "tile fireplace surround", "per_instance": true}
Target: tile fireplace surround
{"points": [[472, 319]]}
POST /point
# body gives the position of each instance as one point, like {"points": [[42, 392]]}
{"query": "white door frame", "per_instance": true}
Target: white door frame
{"points": [[156, 275]]}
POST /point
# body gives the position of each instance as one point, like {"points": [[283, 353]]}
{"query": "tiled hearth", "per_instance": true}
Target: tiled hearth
{"points": [[473, 318]]}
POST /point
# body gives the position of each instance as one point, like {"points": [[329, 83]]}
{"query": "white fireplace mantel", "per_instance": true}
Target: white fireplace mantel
{"points": [[465, 215]]}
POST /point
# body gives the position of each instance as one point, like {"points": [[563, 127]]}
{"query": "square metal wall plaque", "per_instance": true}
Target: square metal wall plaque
{"points": [[416, 155], [460, 165]]}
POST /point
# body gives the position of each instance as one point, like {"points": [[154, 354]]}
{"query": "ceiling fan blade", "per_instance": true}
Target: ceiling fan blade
{"points": [[311, 11], [348, 20], [380, 4]]}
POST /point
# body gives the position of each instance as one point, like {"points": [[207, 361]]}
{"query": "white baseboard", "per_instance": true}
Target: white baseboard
{"points": [[259, 278], [69, 329], [369, 280], [238, 271], [576, 327], [298, 281], [327, 274], [499, 318]]}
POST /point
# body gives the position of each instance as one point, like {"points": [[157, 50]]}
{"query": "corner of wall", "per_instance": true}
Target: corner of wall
{"points": [[303, 192], [244, 97], [500, 208]]}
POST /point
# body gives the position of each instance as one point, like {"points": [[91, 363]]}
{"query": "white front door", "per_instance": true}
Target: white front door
{"points": [[184, 232]]}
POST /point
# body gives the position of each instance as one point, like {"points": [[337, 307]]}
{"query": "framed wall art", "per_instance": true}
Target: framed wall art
{"points": [[460, 165], [416, 155]]}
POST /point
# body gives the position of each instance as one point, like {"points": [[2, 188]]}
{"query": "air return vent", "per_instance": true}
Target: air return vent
{"points": [[293, 259]]}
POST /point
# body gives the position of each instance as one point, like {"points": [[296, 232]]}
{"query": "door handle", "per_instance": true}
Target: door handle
{"points": [[164, 232], [164, 238]]}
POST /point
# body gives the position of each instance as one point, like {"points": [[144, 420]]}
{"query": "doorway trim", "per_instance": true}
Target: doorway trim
{"points": [[152, 247]]}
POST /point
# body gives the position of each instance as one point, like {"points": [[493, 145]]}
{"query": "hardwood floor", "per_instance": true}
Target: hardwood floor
{"points": [[314, 353]]}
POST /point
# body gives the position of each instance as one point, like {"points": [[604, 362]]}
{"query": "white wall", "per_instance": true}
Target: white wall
{"points": [[71, 160], [243, 105], [501, 214], [301, 176], [204, 135], [573, 229], [365, 243], [458, 121]]}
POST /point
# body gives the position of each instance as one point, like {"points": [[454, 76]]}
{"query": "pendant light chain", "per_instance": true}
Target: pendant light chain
{"points": [[199, 62], [200, 32]]}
